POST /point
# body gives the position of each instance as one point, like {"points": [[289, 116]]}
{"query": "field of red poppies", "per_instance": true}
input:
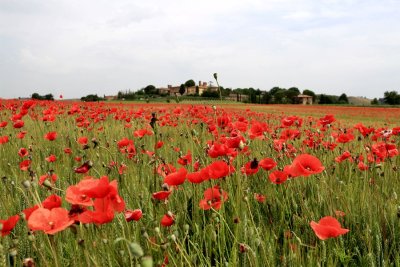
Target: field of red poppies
{"points": [[96, 184]]}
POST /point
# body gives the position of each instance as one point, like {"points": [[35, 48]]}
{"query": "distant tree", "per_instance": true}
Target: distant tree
{"points": [[392, 98], [150, 90], [324, 99], [49, 97], [91, 98], [40, 97], [343, 99], [375, 101], [197, 90], [279, 95], [37, 96], [291, 94], [190, 83], [210, 94], [226, 91], [266, 98], [182, 89]]}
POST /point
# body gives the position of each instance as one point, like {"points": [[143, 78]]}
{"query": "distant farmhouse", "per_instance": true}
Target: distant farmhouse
{"points": [[305, 99], [192, 90]]}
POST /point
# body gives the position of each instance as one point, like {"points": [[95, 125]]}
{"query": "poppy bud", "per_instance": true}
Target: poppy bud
{"points": [[26, 184], [47, 184], [172, 237], [136, 249], [13, 252], [186, 227], [146, 261]]}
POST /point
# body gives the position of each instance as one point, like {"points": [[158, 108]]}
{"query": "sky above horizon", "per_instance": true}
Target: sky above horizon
{"points": [[75, 48]]}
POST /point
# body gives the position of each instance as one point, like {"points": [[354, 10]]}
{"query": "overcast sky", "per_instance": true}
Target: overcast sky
{"points": [[81, 47]]}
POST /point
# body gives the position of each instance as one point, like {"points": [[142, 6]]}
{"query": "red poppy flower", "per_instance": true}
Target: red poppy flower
{"points": [[51, 136], [344, 138], [159, 144], [218, 150], [23, 152], [76, 197], [213, 198], [84, 168], [51, 158], [218, 169], [28, 211], [257, 130], [67, 150], [133, 215], [8, 225], [195, 177], [304, 165], [328, 119], [117, 202], [327, 227], [122, 168], [167, 220], [142, 132], [49, 221], [61, 96], [21, 134], [3, 124], [3, 139], [52, 202], [94, 188], [344, 156], [165, 169], [267, 164], [83, 140], [278, 177], [362, 166], [18, 124], [161, 195], [124, 142], [24, 165], [250, 167], [259, 197], [185, 160], [176, 178], [103, 212]]}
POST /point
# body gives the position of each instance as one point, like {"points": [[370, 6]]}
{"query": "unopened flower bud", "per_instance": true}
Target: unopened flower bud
{"points": [[136, 249], [26, 184], [146, 261]]}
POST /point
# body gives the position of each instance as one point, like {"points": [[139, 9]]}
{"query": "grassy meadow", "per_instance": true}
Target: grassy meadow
{"points": [[112, 184]]}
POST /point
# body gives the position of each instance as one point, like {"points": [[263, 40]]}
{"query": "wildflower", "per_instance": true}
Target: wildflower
{"points": [[49, 221], [51, 136], [327, 227], [213, 198], [278, 177], [304, 165], [133, 215], [8, 225], [176, 178], [167, 220]]}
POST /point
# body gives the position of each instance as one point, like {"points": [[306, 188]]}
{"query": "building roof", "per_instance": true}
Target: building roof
{"points": [[304, 96]]}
